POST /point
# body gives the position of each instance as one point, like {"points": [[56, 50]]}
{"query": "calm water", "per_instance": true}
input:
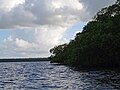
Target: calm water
{"points": [[45, 76]]}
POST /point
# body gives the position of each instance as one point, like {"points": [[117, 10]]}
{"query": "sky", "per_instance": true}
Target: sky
{"points": [[29, 28]]}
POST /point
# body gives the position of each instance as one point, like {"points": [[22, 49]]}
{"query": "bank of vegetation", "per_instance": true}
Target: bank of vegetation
{"points": [[23, 59], [98, 45]]}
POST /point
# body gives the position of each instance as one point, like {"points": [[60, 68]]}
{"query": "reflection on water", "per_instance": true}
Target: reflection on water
{"points": [[44, 76]]}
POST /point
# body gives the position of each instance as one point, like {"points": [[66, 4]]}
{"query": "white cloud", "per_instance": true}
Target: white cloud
{"points": [[22, 43], [40, 24], [9, 39], [49, 35], [93, 6], [34, 13], [7, 5]]}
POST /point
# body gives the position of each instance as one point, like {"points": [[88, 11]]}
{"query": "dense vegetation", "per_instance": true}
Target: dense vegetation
{"points": [[98, 45]]}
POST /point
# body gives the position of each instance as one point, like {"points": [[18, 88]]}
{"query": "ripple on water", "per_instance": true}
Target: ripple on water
{"points": [[46, 76]]}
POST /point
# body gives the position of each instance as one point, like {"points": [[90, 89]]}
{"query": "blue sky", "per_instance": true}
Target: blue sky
{"points": [[4, 33], [78, 27], [29, 28]]}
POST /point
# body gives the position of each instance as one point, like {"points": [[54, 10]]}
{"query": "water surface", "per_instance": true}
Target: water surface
{"points": [[45, 76]]}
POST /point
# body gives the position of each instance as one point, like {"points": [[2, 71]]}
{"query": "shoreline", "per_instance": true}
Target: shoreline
{"points": [[24, 60], [77, 68]]}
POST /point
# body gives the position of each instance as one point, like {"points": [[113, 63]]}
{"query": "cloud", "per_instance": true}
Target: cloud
{"points": [[22, 43], [93, 6], [16, 47], [9, 39], [35, 13], [38, 42], [7, 5], [37, 25]]}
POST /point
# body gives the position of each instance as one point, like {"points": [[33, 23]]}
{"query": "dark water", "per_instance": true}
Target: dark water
{"points": [[45, 76]]}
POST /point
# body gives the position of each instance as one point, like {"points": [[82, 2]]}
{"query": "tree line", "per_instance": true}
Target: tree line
{"points": [[98, 45]]}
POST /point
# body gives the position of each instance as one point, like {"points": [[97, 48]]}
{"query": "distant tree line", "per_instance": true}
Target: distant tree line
{"points": [[98, 45], [23, 59]]}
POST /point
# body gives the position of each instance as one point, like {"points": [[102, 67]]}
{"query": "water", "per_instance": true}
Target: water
{"points": [[45, 76]]}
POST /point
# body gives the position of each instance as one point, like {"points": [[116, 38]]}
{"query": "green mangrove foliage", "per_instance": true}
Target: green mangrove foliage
{"points": [[98, 45]]}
